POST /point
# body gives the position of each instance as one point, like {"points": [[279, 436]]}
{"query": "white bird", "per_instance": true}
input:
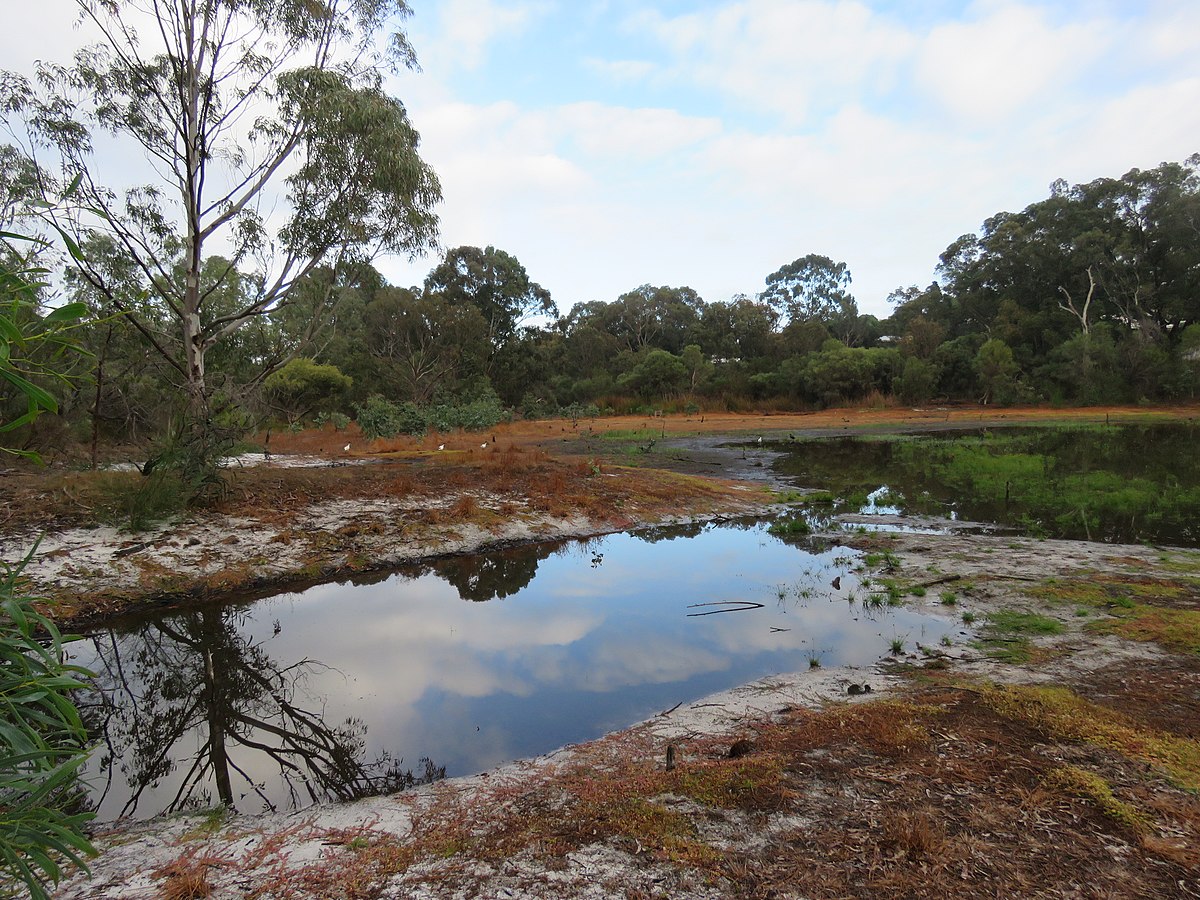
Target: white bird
{"points": [[441, 446], [483, 446], [760, 439], [346, 449]]}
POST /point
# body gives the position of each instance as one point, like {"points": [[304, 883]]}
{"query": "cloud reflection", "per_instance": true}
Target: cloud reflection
{"points": [[571, 649]]}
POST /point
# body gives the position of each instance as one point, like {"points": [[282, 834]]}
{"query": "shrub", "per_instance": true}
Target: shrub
{"points": [[379, 417], [42, 745], [303, 386]]}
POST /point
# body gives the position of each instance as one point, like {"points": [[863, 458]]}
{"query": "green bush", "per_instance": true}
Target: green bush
{"points": [[42, 739], [303, 386], [42, 746], [379, 417]]}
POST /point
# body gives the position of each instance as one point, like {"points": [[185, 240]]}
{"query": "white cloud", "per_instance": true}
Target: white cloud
{"points": [[792, 58], [1170, 34], [643, 134], [466, 29], [621, 71], [1011, 60], [1139, 128]]}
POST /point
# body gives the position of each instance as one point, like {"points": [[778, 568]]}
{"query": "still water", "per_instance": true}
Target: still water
{"points": [[1121, 483], [346, 689]]}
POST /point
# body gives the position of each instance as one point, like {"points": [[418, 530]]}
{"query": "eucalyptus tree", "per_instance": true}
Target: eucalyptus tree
{"points": [[812, 288], [421, 341], [496, 284], [263, 134]]}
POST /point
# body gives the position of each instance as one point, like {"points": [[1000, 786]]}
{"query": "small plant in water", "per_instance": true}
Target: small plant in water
{"points": [[946, 641], [814, 660], [896, 646], [885, 558], [785, 527]]}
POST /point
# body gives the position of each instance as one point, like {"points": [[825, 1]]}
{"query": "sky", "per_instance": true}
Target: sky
{"points": [[612, 143]]}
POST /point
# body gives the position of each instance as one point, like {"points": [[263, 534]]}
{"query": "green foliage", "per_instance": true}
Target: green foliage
{"points": [[917, 381], [996, 370], [302, 387], [352, 186], [812, 288], [42, 739], [796, 525], [474, 409], [658, 374], [338, 420], [32, 345], [42, 743], [380, 418], [496, 283]]}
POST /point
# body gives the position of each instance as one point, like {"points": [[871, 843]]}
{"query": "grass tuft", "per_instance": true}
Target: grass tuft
{"points": [[1090, 786]]}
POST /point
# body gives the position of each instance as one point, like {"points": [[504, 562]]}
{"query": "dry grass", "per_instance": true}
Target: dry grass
{"points": [[187, 878], [971, 791]]}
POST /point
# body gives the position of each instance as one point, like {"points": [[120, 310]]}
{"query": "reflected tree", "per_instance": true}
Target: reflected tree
{"points": [[191, 697], [669, 532], [491, 576]]}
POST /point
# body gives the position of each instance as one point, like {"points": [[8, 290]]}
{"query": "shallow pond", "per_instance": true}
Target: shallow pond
{"points": [[347, 689], [1123, 483]]}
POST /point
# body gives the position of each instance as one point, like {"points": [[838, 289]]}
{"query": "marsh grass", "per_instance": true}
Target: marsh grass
{"points": [[1109, 483], [790, 527], [1137, 607]]}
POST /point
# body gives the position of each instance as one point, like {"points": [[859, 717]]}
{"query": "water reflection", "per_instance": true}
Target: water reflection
{"points": [[498, 574], [1120, 483], [230, 704], [193, 710]]}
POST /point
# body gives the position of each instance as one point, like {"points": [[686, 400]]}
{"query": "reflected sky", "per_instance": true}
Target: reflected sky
{"points": [[602, 635]]}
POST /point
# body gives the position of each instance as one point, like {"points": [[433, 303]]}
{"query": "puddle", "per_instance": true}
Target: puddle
{"points": [[348, 689]]}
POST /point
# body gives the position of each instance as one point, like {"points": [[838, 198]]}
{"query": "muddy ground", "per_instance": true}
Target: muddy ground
{"points": [[1050, 753]]}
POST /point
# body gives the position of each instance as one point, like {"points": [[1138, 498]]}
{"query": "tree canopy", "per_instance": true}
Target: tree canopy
{"points": [[265, 134]]}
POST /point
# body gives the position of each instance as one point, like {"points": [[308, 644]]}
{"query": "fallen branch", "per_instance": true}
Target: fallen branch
{"points": [[732, 606]]}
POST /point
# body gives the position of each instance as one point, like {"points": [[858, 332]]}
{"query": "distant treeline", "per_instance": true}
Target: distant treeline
{"points": [[1091, 295]]}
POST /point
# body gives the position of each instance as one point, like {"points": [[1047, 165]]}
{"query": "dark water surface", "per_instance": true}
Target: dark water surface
{"points": [[342, 690], [1121, 483]]}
